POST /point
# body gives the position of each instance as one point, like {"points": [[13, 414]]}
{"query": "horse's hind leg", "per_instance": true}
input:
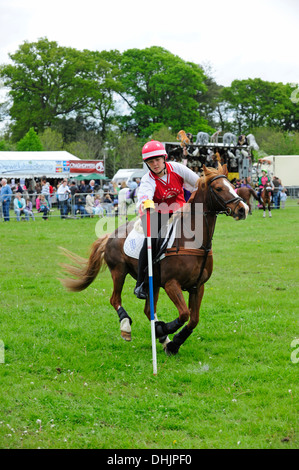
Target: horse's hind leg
{"points": [[118, 276]]}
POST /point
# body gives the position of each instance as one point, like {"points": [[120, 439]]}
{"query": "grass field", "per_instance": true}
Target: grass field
{"points": [[69, 381]]}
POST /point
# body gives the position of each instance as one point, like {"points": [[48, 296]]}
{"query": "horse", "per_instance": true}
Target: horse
{"points": [[266, 199], [126, 197], [245, 193], [214, 195]]}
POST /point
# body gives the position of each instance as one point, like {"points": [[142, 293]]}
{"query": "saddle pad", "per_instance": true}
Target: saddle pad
{"points": [[134, 240]]}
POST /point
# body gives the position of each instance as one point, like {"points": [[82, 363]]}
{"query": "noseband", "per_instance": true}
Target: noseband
{"points": [[223, 204]]}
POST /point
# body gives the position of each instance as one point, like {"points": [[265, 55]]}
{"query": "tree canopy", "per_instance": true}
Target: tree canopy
{"points": [[94, 101], [161, 89]]}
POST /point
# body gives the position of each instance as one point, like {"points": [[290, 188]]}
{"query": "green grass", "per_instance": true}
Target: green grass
{"points": [[232, 385]]}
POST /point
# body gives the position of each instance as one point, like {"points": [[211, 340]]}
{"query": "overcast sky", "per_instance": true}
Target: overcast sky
{"points": [[238, 39]]}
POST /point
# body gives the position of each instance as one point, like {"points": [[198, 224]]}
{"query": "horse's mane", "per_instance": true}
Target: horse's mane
{"points": [[208, 174]]}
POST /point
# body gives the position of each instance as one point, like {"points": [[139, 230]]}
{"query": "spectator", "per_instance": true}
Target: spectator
{"points": [[108, 204], [63, 195], [246, 183], [276, 193], [19, 188], [37, 202], [38, 187], [29, 209], [98, 209], [89, 206], [5, 198], [92, 186], [79, 204], [82, 188], [45, 190], [283, 197], [20, 207], [44, 207]]}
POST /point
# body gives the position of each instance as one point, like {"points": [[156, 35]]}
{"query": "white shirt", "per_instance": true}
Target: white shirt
{"points": [[62, 192], [148, 184]]}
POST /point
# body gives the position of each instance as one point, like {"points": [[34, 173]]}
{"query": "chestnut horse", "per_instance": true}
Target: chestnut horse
{"points": [[214, 195], [266, 199], [245, 193]]}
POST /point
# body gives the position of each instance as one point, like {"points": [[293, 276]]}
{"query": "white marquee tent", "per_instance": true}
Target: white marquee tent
{"points": [[35, 164]]}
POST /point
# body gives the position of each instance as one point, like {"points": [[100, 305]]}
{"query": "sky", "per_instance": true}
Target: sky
{"points": [[237, 39]]}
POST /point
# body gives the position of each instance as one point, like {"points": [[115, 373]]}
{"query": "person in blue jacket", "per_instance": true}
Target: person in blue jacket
{"points": [[5, 198]]}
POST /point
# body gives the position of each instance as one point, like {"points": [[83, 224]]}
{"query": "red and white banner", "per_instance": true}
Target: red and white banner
{"points": [[87, 166]]}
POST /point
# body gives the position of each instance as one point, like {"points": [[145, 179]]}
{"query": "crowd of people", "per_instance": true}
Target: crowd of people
{"points": [[30, 197]]}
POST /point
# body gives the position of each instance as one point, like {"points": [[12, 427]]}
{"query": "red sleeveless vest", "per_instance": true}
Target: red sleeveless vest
{"points": [[170, 192]]}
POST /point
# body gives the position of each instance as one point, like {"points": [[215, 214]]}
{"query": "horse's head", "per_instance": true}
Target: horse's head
{"points": [[222, 196]]}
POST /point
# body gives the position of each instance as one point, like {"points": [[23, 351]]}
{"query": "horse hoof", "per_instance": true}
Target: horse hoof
{"points": [[164, 341], [126, 336], [171, 349], [125, 329]]}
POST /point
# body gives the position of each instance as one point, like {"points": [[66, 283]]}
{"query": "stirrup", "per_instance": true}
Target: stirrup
{"points": [[140, 291]]}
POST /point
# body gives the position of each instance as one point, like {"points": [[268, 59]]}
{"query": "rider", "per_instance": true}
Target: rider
{"points": [[163, 185], [263, 181]]}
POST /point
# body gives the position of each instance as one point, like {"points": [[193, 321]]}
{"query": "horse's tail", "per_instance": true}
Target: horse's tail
{"points": [[253, 193], [88, 269]]}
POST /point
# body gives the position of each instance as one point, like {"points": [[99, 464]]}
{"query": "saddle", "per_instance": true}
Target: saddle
{"points": [[164, 240]]}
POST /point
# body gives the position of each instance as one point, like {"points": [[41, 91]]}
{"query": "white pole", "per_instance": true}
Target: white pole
{"points": [[151, 286]]}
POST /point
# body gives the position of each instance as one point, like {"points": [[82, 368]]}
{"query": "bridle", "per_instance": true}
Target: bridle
{"points": [[224, 210], [222, 202]]}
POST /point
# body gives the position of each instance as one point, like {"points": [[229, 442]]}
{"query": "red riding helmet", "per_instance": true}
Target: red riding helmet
{"points": [[153, 149]]}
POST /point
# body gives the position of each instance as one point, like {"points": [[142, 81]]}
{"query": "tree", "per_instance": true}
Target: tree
{"points": [[48, 82], [256, 103], [87, 146], [210, 103], [30, 142], [51, 140], [276, 142], [160, 89], [100, 113]]}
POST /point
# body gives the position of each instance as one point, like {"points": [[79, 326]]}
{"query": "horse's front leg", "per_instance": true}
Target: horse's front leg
{"points": [[269, 209], [195, 299], [164, 338], [174, 292]]}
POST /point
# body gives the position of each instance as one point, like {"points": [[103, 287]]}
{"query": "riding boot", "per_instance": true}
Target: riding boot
{"points": [[140, 290]]}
